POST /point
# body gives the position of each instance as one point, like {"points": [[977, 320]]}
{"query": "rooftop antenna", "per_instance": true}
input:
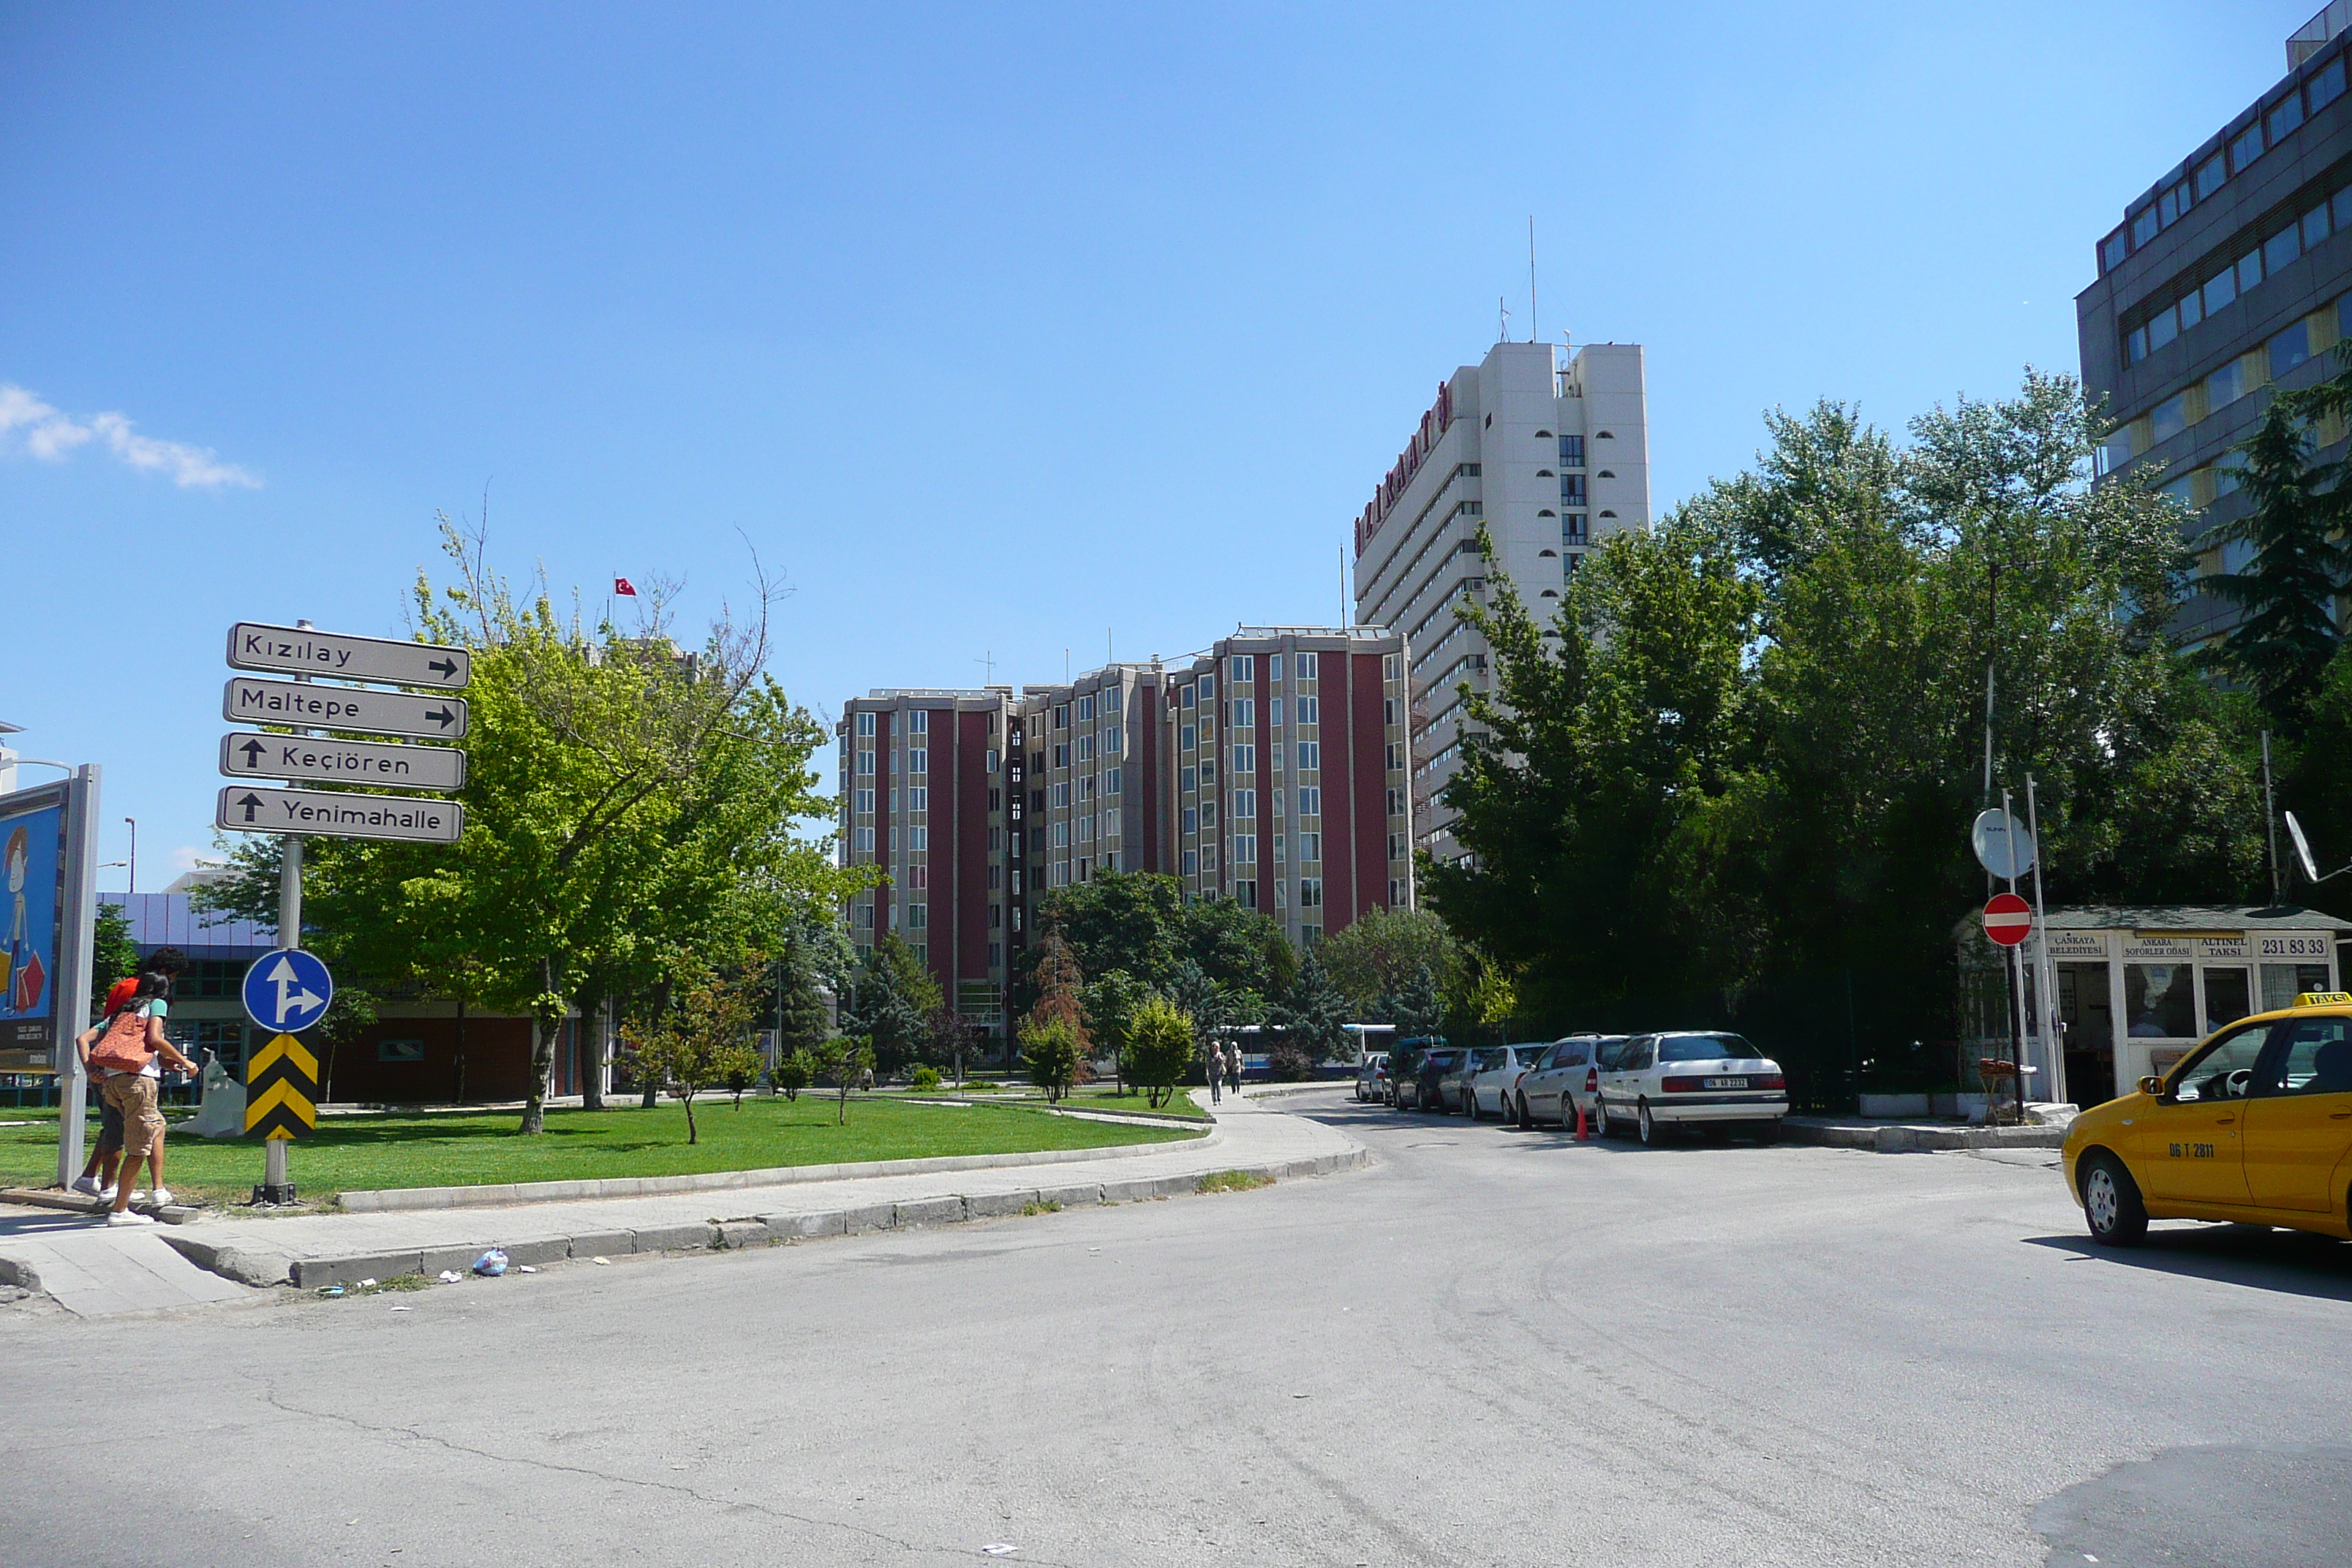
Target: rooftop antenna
{"points": [[1531, 278], [1502, 321], [989, 664]]}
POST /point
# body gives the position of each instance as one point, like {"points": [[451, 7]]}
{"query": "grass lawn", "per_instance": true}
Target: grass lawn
{"points": [[457, 1149], [1101, 1096]]}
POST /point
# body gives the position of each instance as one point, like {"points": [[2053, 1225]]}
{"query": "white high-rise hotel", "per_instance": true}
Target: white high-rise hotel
{"points": [[1550, 451]]}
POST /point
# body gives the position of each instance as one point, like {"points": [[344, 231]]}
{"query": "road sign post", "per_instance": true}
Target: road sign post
{"points": [[303, 760], [297, 704], [335, 814], [304, 649]]}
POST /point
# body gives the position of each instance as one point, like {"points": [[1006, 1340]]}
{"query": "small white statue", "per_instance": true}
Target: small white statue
{"points": [[221, 1112]]}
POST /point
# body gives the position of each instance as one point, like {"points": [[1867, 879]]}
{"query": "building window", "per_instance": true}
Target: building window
{"points": [[995, 955], [861, 840], [1245, 848], [1187, 739], [1062, 716], [866, 762], [866, 916], [992, 759], [1572, 451], [1062, 755], [1274, 669], [1208, 814], [1110, 702], [918, 916], [1086, 707], [1310, 848], [1243, 665], [1086, 748], [1310, 892], [2170, 418], [1572, 490], [2245, 148], [1208, 688], [866, 723], [1190, 780], [1310, 804], [918, 797], [2290, 349], [918, 837], [864, 802], [1245, 713], [918, 723], [1244, 759], [1208, 774], [1185, 694], [1191, 863], [1310, 710], [1111, 741], [1058, 796], [1306, 663], [1245, 803], [1310, 755], [1278, 848], [2284, 117], [1191, 820]]}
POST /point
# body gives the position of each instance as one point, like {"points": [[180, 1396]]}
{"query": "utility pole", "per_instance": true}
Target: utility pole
{"points": [[2270, 818], [2016, 983], [2045, 973]]}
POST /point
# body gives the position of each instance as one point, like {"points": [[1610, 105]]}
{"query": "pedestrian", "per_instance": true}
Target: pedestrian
{"points": [[1215, 1072], [131, 1053], [97, 1178], [1234, 1066]]}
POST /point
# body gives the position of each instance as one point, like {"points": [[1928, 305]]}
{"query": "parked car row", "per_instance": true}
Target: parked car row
{"points": [[1646, 1084]]}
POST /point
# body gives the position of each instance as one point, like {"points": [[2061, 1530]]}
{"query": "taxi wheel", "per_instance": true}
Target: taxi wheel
{"points": [[2111, 1202]]}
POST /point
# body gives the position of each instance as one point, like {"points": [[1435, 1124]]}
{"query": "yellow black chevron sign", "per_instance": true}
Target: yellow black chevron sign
{"points": [[281, 1089]]}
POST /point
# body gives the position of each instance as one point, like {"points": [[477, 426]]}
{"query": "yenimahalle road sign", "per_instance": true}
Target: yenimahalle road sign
{"points": [[334, 814], [288, 989], [301, 705], [289, 650], [281, 1089], [342, 761], [2007, 919]]}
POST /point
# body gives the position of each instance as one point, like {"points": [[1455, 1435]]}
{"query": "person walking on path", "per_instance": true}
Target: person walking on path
{"points": [[134, 1091], [97, 1178], [1234, 1066], [1215, 1072]]}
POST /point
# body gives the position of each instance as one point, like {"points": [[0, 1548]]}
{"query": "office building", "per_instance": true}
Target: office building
{"points": [[1271, 769], [1548, 448], [1288, 775], [2227, 278]]}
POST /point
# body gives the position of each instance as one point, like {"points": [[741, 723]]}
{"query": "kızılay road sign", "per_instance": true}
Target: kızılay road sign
{"points": [[2007, 919], [415, 819], [292, 650], [281, 1089], [287, 990], [342, 761], [302, 706]]}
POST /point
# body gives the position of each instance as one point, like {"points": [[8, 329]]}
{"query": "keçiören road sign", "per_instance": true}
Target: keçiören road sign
{"points": [[302, 705], [342, 761], [2007, 919], [415, 819], [281, 1089], [287, 990], [293, 651]]}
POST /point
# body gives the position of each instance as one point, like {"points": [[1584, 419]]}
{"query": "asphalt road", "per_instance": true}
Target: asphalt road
{"points": [[1493, 1347]]}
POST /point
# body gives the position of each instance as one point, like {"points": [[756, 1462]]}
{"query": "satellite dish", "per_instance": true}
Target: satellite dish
{"points": [[2003, 847], [2302, 847]]}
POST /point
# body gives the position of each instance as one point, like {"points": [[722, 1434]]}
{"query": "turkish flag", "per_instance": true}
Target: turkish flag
{"points": [[624, 587]]}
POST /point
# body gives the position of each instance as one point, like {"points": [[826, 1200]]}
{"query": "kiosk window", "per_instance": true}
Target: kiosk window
{"points": [[2282, 982], [2227, 998], [2158, 1002]]}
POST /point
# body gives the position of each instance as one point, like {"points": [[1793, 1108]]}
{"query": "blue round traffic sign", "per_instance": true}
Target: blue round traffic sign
{"points": [[287, 990]]}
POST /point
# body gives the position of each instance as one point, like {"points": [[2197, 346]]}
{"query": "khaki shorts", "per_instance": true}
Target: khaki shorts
{"points": [[133, 1095]]}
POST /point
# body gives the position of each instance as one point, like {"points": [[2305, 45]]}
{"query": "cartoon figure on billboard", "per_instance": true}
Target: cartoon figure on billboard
{"points": [[29, 856]]}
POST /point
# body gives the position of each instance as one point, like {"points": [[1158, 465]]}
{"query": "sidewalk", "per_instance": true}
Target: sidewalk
{"points": [[1914, 1137], [316, 1250]]}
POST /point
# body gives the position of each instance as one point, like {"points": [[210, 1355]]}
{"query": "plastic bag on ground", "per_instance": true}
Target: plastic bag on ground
{"points": [[491, 1263]]}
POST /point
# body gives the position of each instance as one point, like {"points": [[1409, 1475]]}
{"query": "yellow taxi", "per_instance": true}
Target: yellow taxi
{"points": [[2253, 1126]]}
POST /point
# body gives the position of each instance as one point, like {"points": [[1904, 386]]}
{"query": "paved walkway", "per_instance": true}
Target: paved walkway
{"points": [[316, 1250], [95, 1272]]}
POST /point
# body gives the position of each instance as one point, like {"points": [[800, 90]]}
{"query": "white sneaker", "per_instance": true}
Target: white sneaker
{"points": [[162, 1195], [86, 1186], [138, 1195], [128, 1216], [106, 1194]]}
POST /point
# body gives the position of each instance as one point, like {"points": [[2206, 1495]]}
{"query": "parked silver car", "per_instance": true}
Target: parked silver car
{"points": [[1372, 1078], [1566, 1081], [1697, 1078], [1497, 1077]]}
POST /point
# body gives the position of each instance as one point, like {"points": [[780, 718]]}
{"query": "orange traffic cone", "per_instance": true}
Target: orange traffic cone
{"points": [[1583, 1128]]}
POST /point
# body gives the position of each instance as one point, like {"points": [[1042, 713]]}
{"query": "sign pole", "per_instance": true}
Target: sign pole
{"points": [[276, 1186], [2016, 983], [2045, 972], [75, 961]]}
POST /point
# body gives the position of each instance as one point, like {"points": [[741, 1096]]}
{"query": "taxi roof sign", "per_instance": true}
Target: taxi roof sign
{"points": [[2323, 999]]}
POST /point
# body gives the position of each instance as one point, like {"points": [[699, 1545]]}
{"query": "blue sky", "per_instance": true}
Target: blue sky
{"points": [[997, 330]]}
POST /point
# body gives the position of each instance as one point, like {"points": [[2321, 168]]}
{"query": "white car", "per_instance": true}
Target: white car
{"points": [[1499, 1068], [1566, 1080], [1698, 1078]]}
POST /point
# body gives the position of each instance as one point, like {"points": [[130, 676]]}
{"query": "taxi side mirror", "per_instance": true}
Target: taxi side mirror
{"points": [[2151, 1086]]}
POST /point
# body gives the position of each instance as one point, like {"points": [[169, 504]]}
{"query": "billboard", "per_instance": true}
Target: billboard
{"points": [[34, 905]]}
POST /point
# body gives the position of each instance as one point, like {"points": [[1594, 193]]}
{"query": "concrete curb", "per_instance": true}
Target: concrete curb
{"points": [[395, 1200], [261, 1269], [1912, 1139]]}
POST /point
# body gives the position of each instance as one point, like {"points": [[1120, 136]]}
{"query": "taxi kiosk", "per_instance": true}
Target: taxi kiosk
{"points": [[2133, 989]]}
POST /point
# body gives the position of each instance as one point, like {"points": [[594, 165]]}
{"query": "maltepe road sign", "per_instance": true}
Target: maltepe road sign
{"points": [[420, 819], [342, 761], [298, 705], [291, 651]]}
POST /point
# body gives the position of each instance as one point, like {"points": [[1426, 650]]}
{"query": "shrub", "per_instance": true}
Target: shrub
{"points": [[926, 1077], [1290, 1063], [792, 1074]]}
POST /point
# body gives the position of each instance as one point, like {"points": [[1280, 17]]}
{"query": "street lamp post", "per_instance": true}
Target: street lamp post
{"points": [[133, 867]]}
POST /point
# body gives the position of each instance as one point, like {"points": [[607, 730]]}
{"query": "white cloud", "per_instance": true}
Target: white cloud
{"points": [[188, 857], [50, 435]]}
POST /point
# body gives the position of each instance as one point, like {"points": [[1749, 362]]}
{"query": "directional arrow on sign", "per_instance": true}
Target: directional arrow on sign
{"points": [[253, 751], [251, 803], [287, 981]]}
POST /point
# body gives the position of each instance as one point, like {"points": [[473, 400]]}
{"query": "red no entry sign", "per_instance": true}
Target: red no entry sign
{"points": [[2007, 919]]}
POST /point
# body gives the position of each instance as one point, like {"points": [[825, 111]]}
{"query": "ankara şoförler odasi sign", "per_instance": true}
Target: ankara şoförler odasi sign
{"points": [[420, 819], [292, 650], [342, 761], [305, 706]]}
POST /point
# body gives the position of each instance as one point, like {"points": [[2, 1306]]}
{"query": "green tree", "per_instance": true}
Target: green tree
{"points": [[845, 1058], [1371, 955], [794, 1071], [1416, 1008], [1159, 1048], [2298, 526], [1107, 1005], [799, 1009], [1316, 1012], [891, 999], [1059, 982], [114, 955], [700, 1038], [1050, 1051]]}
